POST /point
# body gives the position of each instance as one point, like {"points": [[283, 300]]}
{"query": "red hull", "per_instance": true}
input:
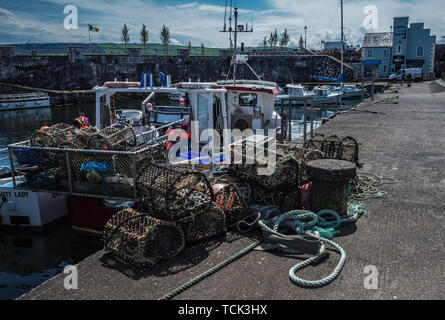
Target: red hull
{"points": [[88, 214]]}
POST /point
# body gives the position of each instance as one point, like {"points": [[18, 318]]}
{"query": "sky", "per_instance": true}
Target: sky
{"points": [[199, 21]]}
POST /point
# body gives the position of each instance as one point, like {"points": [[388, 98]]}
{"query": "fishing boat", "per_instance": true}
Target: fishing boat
{"points": [[350, 91], [23, 101], [26, 210], [224, 106], [324, 95], [295, 91]]}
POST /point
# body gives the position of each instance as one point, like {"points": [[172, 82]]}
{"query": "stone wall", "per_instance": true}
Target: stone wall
{"points": [[76, 70]]}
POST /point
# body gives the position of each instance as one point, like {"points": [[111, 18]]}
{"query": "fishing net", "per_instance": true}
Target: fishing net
{"points": [[51, 136], [102, 173], [119, 137], [142, 240]]}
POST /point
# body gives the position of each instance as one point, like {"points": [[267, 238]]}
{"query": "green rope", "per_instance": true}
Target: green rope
{"points": [[324, 220], [317, 226], [209, 272]]}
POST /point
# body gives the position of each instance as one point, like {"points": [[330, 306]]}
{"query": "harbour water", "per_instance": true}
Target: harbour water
{"points": [[28, 260]]}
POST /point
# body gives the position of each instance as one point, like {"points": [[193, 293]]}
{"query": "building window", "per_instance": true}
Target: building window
{"points": [[384, 68], [385, 53], [369, 53], [420, 51], [399, 48]]}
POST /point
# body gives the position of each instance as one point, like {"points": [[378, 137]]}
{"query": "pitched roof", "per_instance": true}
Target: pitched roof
{"points": [[377, 40]]}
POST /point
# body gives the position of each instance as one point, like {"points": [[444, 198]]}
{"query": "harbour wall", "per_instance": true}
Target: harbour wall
{"points": [[79, 71]]}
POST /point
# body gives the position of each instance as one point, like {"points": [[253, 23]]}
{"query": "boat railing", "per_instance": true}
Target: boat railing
{"points": [[154, 135], [22, 96], [82, 172]]}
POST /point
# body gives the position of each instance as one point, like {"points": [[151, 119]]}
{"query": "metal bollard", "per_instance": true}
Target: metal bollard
{"points": [[330, 184]]}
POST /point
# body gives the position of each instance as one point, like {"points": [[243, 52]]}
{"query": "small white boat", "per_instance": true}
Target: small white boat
{"points": [[130, 116], [350, 91], [28, 210], [325, 95], [23, 101], [295, 91]]}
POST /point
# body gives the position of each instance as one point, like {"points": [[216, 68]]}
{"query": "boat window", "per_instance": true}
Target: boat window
{"points": [[131, 114], [203, 114], [247, 99]]}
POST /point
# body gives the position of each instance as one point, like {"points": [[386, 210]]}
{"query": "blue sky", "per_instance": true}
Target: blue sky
{"points": [[199, 20]]}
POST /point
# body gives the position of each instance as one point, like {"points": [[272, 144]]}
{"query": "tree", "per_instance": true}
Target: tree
{"points": [[189, 46], [125, 38], [301, 42], [144, 35], [265, 41], [273, 39], [203, 49], [165, 37], [284, 38]]}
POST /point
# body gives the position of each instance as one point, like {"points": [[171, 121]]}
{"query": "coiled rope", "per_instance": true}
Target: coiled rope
{"points": [[322, 222], [364, 186]]}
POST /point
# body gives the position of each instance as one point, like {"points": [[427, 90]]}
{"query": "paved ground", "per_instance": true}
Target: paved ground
{"points": [[402, 235]]}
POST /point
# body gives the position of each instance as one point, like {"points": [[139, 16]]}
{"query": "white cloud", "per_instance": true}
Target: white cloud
{"points": [[175, 42], [200, 22], [6, 12]]}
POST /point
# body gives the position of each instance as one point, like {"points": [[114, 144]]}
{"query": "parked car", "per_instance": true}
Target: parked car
{"points": [[407, 74]]}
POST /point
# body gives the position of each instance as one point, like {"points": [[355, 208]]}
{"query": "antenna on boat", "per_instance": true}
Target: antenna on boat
{"points": [[236, 30], [342, 45]]}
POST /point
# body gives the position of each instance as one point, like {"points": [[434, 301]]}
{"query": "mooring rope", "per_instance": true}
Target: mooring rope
{"points": [[209, 272], [314, 228], [364, 186], [311, 228]]}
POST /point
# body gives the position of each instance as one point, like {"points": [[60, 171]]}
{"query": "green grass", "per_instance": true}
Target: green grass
{"points": [[105, 48]]}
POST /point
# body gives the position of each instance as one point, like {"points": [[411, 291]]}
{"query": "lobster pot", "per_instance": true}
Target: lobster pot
{"points": [[171, 193], [79, 139], [119, 137], [141, 240], [334, 147], [283, 172], [204, 222], [285, 199], [233, 200], [150, 153], [52, 136], [303, 156]]}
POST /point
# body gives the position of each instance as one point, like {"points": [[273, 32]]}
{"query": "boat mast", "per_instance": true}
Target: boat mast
{"points": [[235, 13], [341, 68]]}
